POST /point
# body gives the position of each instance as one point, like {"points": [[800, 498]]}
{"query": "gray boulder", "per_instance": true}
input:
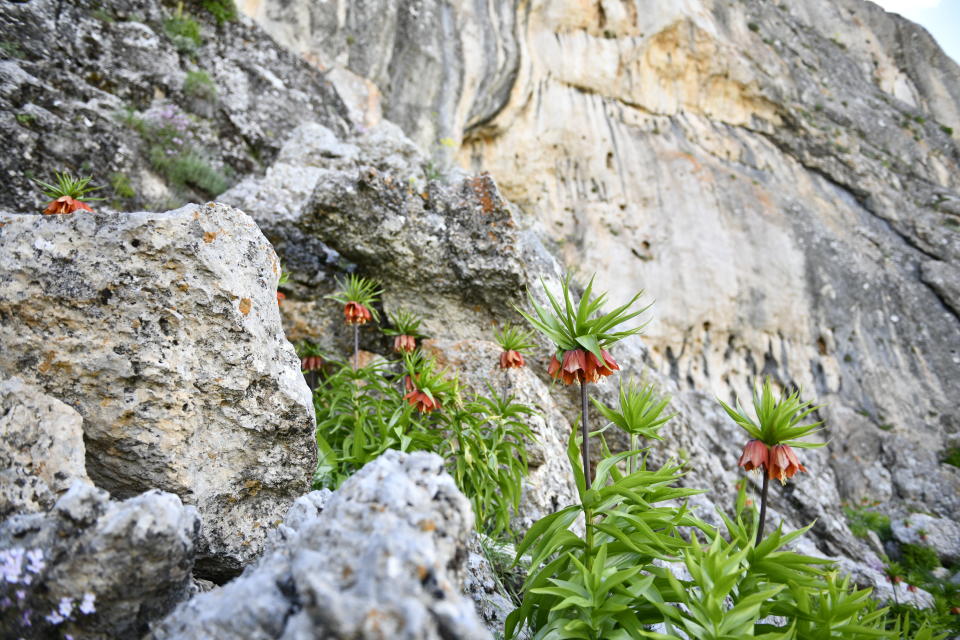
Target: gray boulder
{"points": [[94, 568], [382, 557], [41, 448], [162, 331], [941, 534]]}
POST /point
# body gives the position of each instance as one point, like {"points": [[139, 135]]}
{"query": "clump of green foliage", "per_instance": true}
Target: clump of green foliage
{"points": [[952, 456], [198, 84], [363, 411], [221, 10], [183, 31], [174, 151], [865, 518]]}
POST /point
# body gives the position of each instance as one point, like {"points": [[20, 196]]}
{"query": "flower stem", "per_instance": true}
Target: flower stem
{"points": [[356, 346], [763, 502], [632, 464], [585, 430]]}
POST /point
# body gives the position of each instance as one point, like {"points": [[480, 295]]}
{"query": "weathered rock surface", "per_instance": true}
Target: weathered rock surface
{"points": [[382, 557], [782, 178], [162, 331], [293, 211], [94, 568], [41, 448], [938, 533], [99, 87], [455, 252]]}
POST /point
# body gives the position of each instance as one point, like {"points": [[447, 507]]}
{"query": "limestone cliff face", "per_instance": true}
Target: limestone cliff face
{"points": [[781, 177]]}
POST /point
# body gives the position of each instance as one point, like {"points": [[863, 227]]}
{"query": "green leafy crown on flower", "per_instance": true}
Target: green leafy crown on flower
{"points": [[405, 323], [364, 291], [579, 326], [778, 420], [641, 410], [67, 185], [423, 372], [514, 338]]}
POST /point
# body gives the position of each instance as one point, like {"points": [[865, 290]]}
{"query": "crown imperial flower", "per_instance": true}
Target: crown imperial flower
{"points": [[755, 455], [511, 359], [66, 194], [783, 463], [404, 344], [358, 296], [356, 313], [66, 204]]}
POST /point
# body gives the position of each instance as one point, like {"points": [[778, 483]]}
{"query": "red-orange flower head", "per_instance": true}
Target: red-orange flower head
{"points": [[511, 359], [280, 297], [421, 401], [582, 366], [66, 204], [755, 455], [356, 313], [404, 344], [783, 463], [310, 363]]}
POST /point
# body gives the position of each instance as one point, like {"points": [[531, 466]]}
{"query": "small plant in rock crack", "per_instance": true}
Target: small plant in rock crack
{"points": [[514, 342], [405, 330], [183, 31], [175, 151], [67, 194], [776, 430], [357, 295]]}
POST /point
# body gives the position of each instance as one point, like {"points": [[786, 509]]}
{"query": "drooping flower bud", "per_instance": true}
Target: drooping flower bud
{"points": [[755, 455], [511, 359]]}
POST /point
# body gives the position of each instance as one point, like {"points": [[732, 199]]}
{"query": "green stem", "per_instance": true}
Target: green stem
{"points": [[356, 346], [763, 502], [633, 458], [585, 431], [585, 450]]}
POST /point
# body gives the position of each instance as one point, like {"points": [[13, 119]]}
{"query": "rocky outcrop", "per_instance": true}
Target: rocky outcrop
{"points": [[452, 250], [94, 568], [41, 448], [160, 105], [781, 178], [381, 557], [162, 331]]}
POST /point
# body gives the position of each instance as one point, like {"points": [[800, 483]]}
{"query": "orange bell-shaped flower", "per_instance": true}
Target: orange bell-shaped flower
{"points": [[755, 455], [511, 359], [404, 344], [783, 463], [66, 204], [356, 313]]}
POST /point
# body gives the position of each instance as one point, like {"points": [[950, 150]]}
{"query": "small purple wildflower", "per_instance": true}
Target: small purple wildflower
{"points": [[66, 607], [86, 605], [11, 564], [5, 603], [25, 619], [35, 563], [54, 617]]}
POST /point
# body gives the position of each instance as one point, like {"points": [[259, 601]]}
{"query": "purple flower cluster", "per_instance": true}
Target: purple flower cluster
{"points": [[171, 126], [20, 566]]}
